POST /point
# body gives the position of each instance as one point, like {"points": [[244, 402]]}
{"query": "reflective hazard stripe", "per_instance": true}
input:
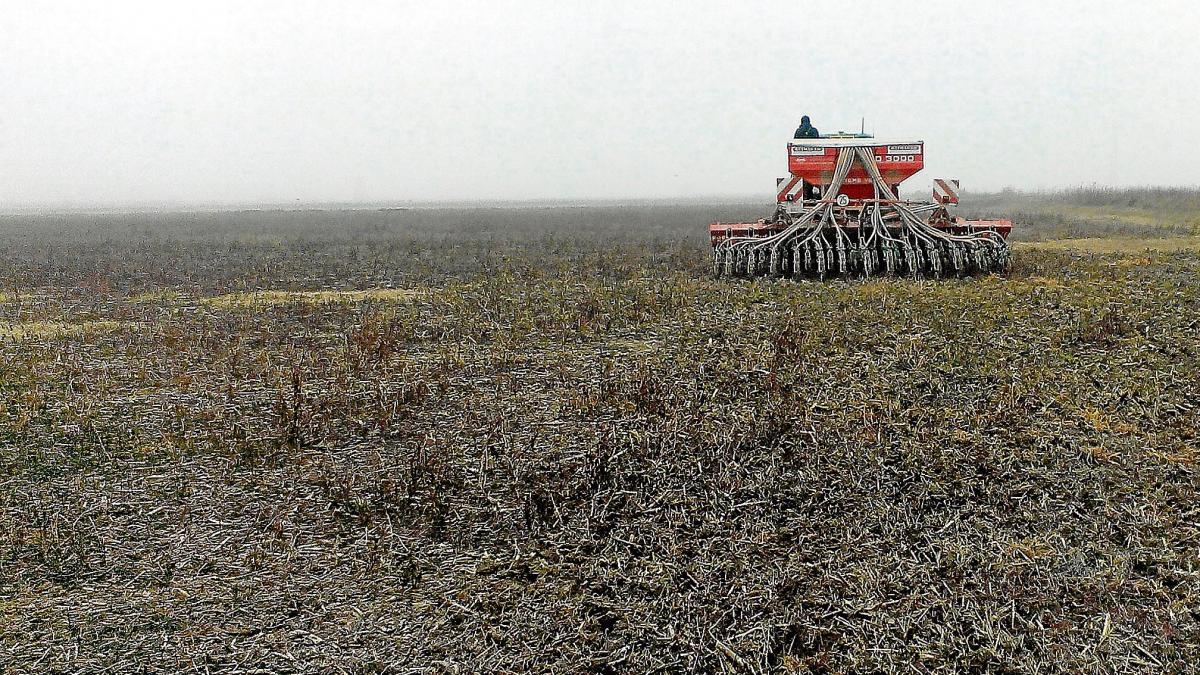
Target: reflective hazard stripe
{"points": [[787, 185], [945, 191]]}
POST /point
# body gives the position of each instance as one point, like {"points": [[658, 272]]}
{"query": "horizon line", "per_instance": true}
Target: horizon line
{"points": [[183, 206]]}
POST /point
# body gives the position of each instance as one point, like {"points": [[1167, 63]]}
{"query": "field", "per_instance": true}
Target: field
{"points": [[542, 438]]}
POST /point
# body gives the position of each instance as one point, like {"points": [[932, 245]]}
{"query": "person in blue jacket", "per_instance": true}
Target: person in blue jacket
{"points": [[806, 129]]}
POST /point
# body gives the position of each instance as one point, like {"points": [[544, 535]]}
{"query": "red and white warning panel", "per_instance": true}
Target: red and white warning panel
{"points": [[945, 191], [788, 189]]}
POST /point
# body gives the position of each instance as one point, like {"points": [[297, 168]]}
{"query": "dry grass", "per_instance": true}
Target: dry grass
{"points": [[54, 329], [259, 299], [1091, 212], [561, 457], [1116, 244]]}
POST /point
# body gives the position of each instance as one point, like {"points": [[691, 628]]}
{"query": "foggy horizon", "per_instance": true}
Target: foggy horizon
{"points": [[302, 104]]}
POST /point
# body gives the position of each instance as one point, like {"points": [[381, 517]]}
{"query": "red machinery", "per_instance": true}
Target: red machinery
{"points": [[839, 212]]}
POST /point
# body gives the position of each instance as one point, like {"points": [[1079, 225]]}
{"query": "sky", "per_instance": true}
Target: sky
{"points": [[175, 102]]}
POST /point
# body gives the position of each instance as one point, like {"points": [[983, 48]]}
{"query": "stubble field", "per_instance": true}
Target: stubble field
{"points": [[544, 439]]}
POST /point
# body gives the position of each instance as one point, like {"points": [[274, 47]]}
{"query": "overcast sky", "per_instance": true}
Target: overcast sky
{"points": [[180, 102]]}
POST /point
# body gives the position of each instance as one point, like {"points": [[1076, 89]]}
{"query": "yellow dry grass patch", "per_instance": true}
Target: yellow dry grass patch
{"points": [[1186, 454], [1110, 214], [1045, 281], [1100, 453], [54, 329], [1097, 419], [1030, 548], [156, 296], [1102, 421], [873, 289], [261, 298], [1116, 245]]}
